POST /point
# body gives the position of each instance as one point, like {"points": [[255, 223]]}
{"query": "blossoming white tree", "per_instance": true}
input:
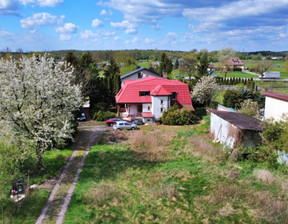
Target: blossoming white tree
{"points": [[38, 101], [204, 90]]}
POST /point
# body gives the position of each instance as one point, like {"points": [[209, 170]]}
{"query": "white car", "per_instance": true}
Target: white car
{"points": [[120, 125]]}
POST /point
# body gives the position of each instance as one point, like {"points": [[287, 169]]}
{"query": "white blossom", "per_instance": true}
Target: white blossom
{"points": [[38, 100]]}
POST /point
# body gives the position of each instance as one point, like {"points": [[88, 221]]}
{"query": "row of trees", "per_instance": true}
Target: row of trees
{"points": [[99, 88]]}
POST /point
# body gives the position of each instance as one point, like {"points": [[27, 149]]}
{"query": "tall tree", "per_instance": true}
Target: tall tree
{"points": [[166, 65], [38, 101], [202, 66], [188, 65], [223, 58], [263, 66]]}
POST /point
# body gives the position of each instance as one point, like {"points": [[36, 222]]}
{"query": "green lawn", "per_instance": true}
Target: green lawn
{"points": [[279, 87], [172, 174], [29, 209]]}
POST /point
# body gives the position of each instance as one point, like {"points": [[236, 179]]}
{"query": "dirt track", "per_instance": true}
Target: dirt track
{"points": [[55, 209]]}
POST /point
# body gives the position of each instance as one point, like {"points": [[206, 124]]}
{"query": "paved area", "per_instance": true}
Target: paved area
{"points": [[55, 209]]}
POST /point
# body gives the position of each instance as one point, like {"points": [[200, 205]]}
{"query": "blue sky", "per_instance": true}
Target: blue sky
{"points": [[245, 25]]}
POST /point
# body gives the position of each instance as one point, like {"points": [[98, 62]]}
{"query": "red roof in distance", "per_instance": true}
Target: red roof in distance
{"points": [[236, 61], [129, 92]]}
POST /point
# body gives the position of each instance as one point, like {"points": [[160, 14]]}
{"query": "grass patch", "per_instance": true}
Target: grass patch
{"points": [[236, 75], [174, 174], [28, 210]]}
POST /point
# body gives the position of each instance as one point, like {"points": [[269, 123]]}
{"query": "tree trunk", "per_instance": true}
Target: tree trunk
{"points": [[39, 153]]}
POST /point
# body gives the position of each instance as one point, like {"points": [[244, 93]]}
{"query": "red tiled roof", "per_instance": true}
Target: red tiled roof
{"points": [[236, 61], [160, 91], [147, 114], [129, 93], [276, 96]]}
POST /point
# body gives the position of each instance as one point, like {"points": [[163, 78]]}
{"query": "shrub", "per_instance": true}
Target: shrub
{"points": [[103, 115], [204, 90], [176, 116], [237, 69], [232, 98], [249, 108]]}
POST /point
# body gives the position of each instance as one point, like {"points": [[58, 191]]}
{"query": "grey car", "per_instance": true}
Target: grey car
{"points": [[120, 125]]}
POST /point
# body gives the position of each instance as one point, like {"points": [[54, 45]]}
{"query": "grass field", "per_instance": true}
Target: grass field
{"points": [[29, 209], [278, 87], [162, 174]]}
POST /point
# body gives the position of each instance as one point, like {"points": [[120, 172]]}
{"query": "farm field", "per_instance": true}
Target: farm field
{"points": [[172, 174]]}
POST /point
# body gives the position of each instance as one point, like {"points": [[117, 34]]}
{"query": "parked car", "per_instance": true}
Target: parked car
{"points": [[120, 125], [137, 122], [82, 117], [112, 121]]}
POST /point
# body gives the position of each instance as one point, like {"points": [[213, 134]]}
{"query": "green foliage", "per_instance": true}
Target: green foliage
{"points": [[232, 98], [276, 135], [176, 116], [202, 66], [249, 108], [103, 115], [166, 65]]}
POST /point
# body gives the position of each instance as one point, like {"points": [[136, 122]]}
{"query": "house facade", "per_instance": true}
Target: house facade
{"points": [[237, 63], [139, 73], [149, 97], [276, 105], [232, 128]]}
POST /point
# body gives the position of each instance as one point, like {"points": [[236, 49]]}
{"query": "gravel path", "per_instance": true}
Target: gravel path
{"points": [[55, 209]]}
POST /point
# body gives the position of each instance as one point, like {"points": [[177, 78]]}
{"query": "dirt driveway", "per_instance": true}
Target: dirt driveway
{"points": [[55, 209]]}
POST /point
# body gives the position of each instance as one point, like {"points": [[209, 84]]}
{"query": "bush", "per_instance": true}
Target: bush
{"points": [[237, 69], [204, 90], [103, 115], [232, 98], [176, 116], [249, 108]]}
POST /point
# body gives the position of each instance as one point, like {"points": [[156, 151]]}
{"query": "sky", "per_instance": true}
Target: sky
{"points": [[44, 25]]}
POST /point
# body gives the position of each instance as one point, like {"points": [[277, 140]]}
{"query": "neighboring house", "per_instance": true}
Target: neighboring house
{"points": [[275, 105], [232, 128], [237, 63], [149, 97], [139, 73]]}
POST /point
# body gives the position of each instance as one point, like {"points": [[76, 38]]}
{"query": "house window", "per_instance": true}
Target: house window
{"points": [[148, 108], [174, 96], [161, 101], [140, 75], [144, 93], [161, 109]]}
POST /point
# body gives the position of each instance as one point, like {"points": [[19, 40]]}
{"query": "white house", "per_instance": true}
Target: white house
{"points": [[232, 128], [276, 105], [139, 73], [149, 97]]}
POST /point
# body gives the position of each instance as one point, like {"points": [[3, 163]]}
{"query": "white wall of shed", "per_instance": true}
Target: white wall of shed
{"points": [[275, 108], [221, 130]]}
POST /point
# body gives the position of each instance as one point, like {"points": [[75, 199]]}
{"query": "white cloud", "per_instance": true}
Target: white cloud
{"points": [[131, 31], [42, 3], [5, 34], [171, 36], [97, 23], [67, 31], [88, 34], [40, 19], [144, 12], [130, 28], [106, 13], [8, 7], [235, 9]]}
